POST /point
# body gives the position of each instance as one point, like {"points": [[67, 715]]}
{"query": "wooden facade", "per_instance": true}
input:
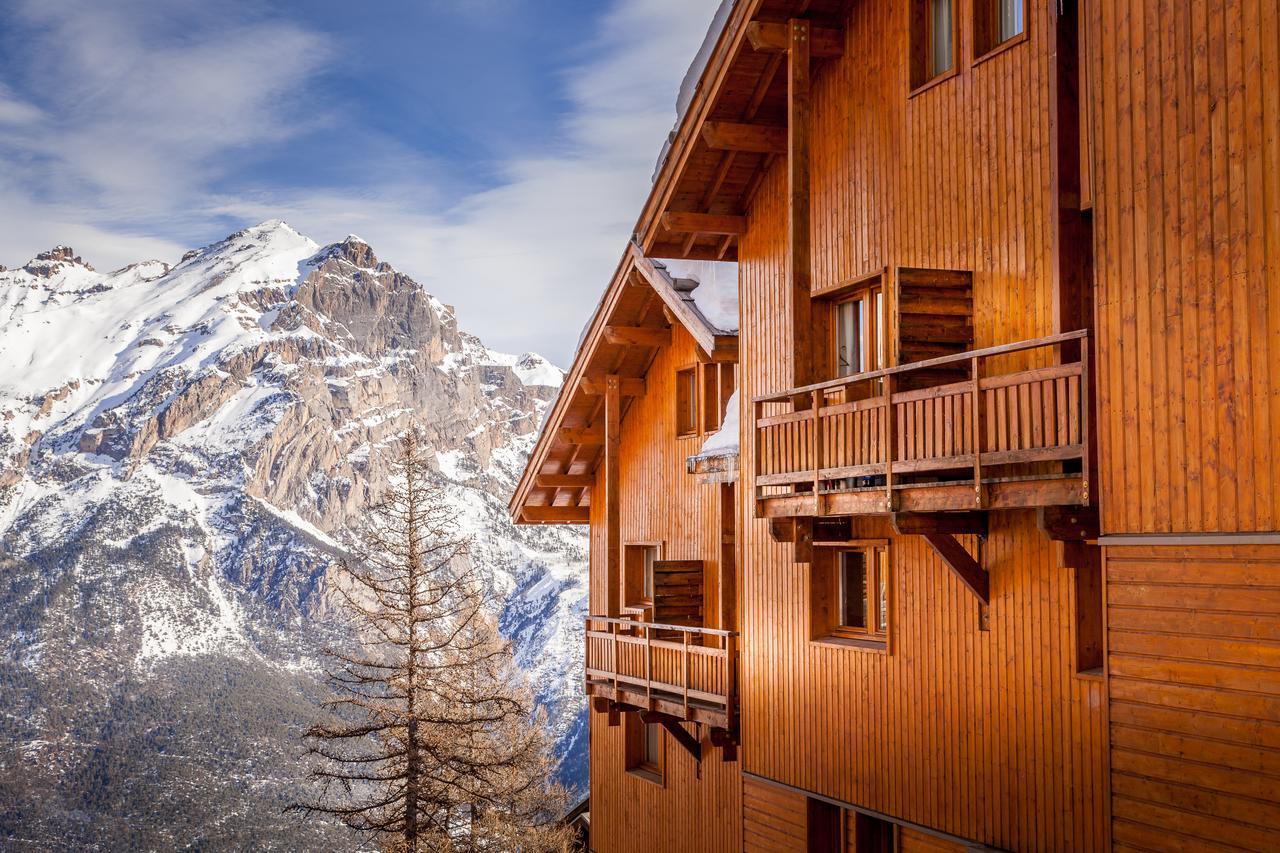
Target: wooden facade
{"points": [[1058, 448]]}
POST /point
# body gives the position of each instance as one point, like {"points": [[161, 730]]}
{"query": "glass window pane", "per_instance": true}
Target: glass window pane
{"points": [[882, 575], [652, 744], [1010, 18], [853, 589], [879, 318], [650, 554], [850, 324], [939, 36]]}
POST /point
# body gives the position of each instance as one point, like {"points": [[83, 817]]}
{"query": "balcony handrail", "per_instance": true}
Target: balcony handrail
{"points": [[1001, 349], [660, 626]]}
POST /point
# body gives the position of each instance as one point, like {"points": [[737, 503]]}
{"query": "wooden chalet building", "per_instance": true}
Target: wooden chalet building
{"points": [[998, 564]]}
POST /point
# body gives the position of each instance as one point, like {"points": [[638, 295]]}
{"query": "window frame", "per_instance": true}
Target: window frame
{"points": [[826, 600], [633, 593], [636, 753], [986, 38], [920, 46], [872, 344], [694, 392]]}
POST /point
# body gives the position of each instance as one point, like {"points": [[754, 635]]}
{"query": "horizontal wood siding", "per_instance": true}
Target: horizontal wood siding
{"points": [[1194, 658], [986, 735], [660, 503], [774, 820], [1185, 106]]}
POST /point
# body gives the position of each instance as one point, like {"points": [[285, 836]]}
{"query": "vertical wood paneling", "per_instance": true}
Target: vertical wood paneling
{"points": [[695, 809], [982, 734], [1187, 222], [1194, 673]]}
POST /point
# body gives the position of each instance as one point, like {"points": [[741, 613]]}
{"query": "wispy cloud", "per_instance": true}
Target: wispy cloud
{"points": [[136, 120]]}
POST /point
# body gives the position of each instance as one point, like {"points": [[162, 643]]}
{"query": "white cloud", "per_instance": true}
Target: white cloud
{"points": [[142, 131]]}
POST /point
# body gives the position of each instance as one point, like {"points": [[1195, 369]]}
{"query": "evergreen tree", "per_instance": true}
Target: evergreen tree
{"points": [[431, 742]]}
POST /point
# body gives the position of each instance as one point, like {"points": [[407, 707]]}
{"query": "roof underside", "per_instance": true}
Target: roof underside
{"points": [[751, 87]]}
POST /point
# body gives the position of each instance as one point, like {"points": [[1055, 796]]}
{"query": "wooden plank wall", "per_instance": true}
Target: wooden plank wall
{"points": [[662, 503], [1194, 672], [986, 735], [1185, 109], [774, 820]]}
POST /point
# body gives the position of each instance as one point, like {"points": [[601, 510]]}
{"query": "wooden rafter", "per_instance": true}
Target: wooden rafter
{"points": [[826, 42], [561, 514], [581, 435], [739, 136], [564, 481], [594, 386], [705, 223], [637, 336]]}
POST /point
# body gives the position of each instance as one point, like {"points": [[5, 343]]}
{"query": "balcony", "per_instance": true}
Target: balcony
{"points": [[685, 673], [912, 438]]}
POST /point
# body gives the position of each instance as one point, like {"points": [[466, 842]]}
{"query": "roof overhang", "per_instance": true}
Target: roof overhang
{"points": [[630, 325]]}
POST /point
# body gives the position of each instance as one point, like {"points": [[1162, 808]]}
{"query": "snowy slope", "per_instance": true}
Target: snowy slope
{"points": [[181, 452]]}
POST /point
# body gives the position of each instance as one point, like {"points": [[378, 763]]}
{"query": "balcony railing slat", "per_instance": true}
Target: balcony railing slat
{"points": [[836, 434]]}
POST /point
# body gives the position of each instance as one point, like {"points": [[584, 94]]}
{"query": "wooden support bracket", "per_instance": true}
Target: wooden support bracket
{"points": [[704, 223], [688, 742], [804, 540], [585, 435], [782, 529], [827, 42], [920, 523], [1069, 523], [557, 514], [753, 138], [594, 386], [727, 741], [959, 561]]}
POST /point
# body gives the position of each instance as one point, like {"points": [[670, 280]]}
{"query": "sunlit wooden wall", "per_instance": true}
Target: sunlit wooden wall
{"points": [[988, 735], [1185, 111], [660, 502]]}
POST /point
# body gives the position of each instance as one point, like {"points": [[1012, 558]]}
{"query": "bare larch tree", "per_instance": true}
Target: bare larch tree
{"points": [[430, 740]]}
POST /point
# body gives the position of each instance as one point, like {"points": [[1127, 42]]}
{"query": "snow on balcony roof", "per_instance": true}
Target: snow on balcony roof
{"points": [[716, 294], [724, 441]]}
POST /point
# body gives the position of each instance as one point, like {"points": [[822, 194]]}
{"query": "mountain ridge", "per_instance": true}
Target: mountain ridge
{"points": [[181, 450]]}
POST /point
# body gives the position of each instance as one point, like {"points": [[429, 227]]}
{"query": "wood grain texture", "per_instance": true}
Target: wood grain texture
{"points": [[986, 735], [1193, 641], [660, 503], [1186, 174]]}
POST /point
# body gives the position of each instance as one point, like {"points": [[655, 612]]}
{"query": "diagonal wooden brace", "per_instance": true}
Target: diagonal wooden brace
{"points": [[959, 561]]}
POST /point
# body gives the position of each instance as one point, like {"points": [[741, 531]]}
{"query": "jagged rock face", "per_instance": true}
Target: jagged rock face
{"points": [[181, 451]]}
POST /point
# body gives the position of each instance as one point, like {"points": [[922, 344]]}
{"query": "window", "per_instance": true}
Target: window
{"points": [[996, 22], [638, 574], [718, 383], [644, 748], [850, 593], [687, 402], [859, 336], [932, 40]]}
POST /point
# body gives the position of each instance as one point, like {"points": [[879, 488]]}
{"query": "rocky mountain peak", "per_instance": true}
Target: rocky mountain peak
{"points": [[354, 251], [47, 264]]}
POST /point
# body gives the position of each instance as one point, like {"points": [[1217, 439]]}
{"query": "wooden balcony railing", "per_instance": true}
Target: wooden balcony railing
{"points": [[858, 445], [689, 673]]}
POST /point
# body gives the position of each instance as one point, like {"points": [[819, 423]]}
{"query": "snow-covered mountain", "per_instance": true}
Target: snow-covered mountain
{"points": [[181, 449]]}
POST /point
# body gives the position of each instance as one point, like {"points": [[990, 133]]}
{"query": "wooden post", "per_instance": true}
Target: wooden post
{"points": [[730, 679], [1086, 457], [685, 636], [799, 227], [758, 451], [890, 442], [648, 668], [816, 456], [612, 499], [977, 436]]}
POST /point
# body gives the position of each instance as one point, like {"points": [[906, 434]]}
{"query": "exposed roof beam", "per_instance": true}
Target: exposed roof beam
{"points": [[1069, 523], [557, 514], [588, 435], [737, 136], [564, 481], [704, 223], [593, 387], [824, 42], [642, 336]]}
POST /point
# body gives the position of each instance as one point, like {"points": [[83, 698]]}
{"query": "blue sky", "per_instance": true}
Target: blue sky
{"points": [[496, 150]]}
